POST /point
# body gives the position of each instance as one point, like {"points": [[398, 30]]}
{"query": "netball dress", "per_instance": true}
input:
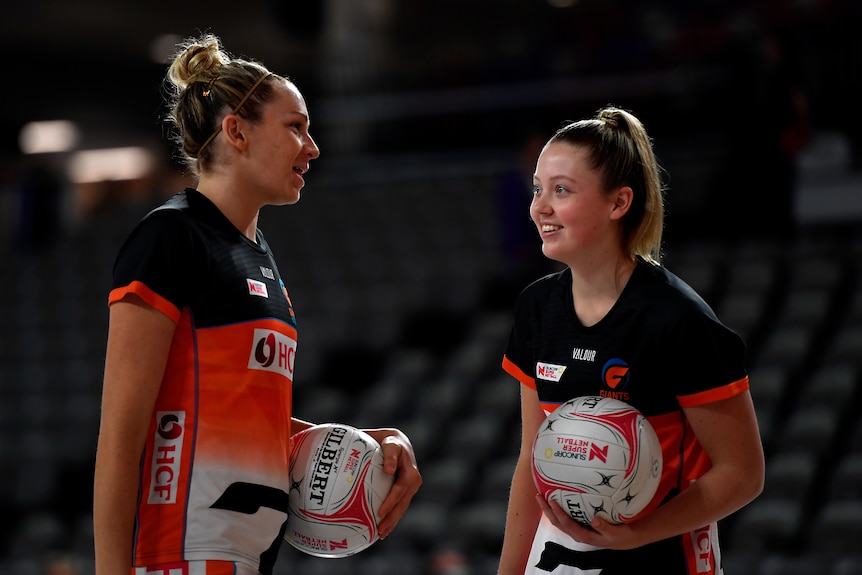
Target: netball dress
{"points": [[660, 348], [213, 475]]}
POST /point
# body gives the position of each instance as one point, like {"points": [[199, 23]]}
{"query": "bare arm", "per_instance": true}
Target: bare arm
{"points": [[522, 517], [139, 340], [728, 432], [398, 459]]}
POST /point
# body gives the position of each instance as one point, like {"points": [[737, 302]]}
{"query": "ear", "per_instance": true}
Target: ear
{"points": [[621, 202], [232, 126]]}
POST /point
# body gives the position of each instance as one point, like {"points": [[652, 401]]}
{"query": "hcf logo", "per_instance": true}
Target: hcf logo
{"points": [[167, 457], [272, 351], [615, 373]]}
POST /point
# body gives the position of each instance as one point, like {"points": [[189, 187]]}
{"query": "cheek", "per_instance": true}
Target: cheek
{"points": [[570, 215], [579, 226], [587, 230]]}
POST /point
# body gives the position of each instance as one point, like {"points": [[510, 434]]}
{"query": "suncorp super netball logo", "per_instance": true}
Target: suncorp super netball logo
{"points": [[273, 351], [615, 375], [167, 455]]}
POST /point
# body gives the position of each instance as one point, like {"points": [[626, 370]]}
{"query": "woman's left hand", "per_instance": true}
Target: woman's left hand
{"points": [[400, 460], [600, 533]]}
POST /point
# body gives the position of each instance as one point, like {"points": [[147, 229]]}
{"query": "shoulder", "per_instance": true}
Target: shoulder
{"points": [[544, 301], [185, 215], [672, 305], [164, 231], [177, 208], [543, 292], [546, 285], [168, 220], [659, 285]]}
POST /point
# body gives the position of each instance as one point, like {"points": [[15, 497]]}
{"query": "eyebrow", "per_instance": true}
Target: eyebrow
{"points": [[303, 114]]}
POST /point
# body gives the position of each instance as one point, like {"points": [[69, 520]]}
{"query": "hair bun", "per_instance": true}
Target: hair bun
{"points": [[197, 60]]}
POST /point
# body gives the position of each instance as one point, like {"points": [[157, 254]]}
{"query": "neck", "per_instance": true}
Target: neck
{"points": [[231, 201], [597, 287], [601, 274]]}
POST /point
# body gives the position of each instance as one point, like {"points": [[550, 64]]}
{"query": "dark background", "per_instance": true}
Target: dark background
{"points": [[411, 240]]}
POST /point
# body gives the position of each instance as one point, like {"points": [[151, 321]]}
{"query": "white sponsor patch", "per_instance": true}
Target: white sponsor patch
{"points": [[256, 288], [167, 455], [272, 351], [549, 371]]}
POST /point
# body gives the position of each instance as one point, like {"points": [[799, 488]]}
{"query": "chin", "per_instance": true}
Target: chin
{"points": [[553, 256], [290, 197], [549, 253]]}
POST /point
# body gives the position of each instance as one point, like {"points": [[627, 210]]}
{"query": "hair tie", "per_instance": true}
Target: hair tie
{"points": [[210, 85], [610, 120]]}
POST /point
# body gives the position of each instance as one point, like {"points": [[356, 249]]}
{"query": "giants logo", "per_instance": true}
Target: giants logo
{"points": [[273, 351], [167, 454], [615, 375]]}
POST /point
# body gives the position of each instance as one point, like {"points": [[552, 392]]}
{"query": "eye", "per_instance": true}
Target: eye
{"points": [[536, 190], [560, 190]]}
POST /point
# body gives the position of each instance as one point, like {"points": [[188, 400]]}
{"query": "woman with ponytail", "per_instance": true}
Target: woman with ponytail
{"points": [[598, 208]]}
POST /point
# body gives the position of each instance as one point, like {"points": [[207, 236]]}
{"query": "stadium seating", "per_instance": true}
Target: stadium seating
{"points": [[397, 288]]}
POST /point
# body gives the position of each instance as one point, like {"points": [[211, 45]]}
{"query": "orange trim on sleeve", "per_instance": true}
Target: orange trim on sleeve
{"points": [[515, 371], [717, 394], [149, 296]]}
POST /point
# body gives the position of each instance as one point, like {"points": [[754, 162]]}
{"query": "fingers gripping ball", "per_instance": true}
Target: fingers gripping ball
{"points": [[597, 456], [337, 484]]}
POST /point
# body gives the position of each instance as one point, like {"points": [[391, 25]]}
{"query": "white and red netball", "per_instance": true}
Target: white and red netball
{"points": [[337, 484], [597, 456]]}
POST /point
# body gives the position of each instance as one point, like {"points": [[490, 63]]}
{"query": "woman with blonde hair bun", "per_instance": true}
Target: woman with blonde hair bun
{"points": [[191, 469]]}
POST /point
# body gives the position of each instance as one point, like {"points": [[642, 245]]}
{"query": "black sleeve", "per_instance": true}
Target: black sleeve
{"points": [[160, 253]]}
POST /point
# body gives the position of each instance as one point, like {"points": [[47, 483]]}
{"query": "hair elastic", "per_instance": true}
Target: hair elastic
{"points": [[234, 111], [210, 85]]}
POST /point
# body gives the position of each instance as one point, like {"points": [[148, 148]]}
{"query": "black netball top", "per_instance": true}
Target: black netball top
{"points": [[660, 348]]}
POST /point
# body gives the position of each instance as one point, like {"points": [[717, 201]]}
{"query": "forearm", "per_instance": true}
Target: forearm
{"points": [[717, 494], [522, 519], [115, 490], [728, 432]]}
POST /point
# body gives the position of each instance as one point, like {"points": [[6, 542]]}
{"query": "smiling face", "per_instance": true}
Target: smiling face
{"points": [[280, 148], [573, 214]]}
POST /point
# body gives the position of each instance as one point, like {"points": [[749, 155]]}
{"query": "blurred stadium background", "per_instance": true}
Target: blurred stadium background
{"points": [[408, 247]]}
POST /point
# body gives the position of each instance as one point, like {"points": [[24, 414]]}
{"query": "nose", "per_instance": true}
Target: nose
{"points": [[539, 206], [311, 146]]}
